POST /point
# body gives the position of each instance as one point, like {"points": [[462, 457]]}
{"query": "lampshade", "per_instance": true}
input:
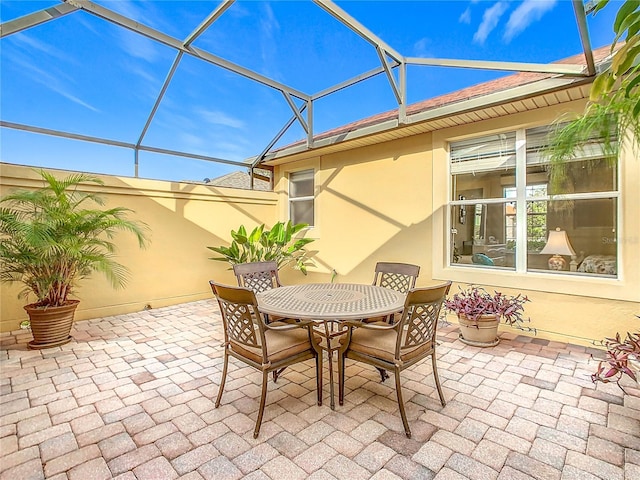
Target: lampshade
{"points": [[558, 243]]}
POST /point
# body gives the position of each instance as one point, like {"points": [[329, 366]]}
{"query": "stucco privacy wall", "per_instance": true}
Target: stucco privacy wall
{"points": [[183, 219], [386, 203]]}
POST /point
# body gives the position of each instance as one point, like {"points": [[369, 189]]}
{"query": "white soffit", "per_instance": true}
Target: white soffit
{"points": [[523, 98]]}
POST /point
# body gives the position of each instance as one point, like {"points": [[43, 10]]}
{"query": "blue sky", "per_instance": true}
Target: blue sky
{"points": [[83, 75]]}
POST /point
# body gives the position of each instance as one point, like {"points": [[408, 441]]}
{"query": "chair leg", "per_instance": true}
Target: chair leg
{"points": [[435, 375], [340, 378], [319, 375], [383, 374], [263, 398], [276, 374], [224, 378], [403, 414]]}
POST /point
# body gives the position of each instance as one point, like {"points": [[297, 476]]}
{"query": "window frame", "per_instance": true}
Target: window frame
{"points": [[304, 198], [522, 199]]}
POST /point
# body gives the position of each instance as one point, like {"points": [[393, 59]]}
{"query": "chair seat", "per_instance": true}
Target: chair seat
{"points": [[381, 344], [280, 344]]}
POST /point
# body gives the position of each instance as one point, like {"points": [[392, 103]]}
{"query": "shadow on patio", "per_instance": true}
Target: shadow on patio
{"points": [[132, 398]]}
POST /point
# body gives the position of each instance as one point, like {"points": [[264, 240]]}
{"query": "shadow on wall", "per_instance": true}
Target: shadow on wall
{"points": [[183, 219]]}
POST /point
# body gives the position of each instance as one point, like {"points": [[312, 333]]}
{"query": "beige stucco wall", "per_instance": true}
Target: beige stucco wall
{"points": [[371, 204], [386, 203], [383, 202], [183, 219]]}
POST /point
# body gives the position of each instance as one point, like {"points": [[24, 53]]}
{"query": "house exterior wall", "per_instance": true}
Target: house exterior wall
{"points": [[387, 203], [183, 220]]}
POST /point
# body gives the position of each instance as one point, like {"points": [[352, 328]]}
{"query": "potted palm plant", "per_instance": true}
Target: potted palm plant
{"points": [[53, 237], [480, 312]]}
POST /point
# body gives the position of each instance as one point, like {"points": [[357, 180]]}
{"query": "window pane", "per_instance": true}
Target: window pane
{"points": [[470, 186], [302, 211], [301, 184], [477, 155], [590, 227], [480, 237], [590, 171], [583, 176]]}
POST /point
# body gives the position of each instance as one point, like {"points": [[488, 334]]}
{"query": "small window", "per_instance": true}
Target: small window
{"points": [[301, 199]]}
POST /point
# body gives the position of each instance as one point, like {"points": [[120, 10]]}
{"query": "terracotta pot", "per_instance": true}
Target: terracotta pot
{"points": [[51, 326], [482, 332]]}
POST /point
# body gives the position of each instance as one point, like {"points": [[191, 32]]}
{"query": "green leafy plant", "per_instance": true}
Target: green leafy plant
{"points": [[613, 110], [277, 244], [625, 65], [50, 238], [474, 302]]}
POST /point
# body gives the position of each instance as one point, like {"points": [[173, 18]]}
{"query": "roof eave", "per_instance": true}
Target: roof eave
{"points": [[501, 97]]}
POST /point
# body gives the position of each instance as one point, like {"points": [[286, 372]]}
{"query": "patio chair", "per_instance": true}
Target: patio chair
{"points": [[257, 276], [265, 347], [400, 277], [400, 345], [261, 276]]}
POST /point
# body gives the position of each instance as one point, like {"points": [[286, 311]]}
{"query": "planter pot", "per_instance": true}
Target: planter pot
{"points": [[51, 326], [482, 332]]}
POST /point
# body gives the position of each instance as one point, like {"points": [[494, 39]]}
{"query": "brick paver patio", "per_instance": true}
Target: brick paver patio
{"points": [[132, 398]]}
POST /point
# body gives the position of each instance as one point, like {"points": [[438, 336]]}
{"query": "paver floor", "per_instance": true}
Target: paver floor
{"points": [[131, 397]]}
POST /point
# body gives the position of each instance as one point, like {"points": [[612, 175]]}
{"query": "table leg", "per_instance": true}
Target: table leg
{"points": [[331, 336]]}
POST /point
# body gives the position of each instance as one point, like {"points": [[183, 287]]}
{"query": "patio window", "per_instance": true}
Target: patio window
{"points": [[301, 198], [536, 218], [502, 205]]}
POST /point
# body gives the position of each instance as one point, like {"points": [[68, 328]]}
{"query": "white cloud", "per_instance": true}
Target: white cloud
{"points": [[528, 12], [269, 28], [26, 42], [466, 16], [220, 118], [490, 21], [422, 48], [57, 82], [139, 46]]}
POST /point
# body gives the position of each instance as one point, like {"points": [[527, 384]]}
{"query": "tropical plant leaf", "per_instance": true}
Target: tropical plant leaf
{"points": [[53, 237], [277, 244], [623, 13]]}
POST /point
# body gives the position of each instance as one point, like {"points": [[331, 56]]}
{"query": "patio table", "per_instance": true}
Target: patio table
{"points": [[329, 304]]}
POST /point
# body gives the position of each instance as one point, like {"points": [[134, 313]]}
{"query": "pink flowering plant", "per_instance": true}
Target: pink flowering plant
{"points": [[616, 364], [474, 302]]}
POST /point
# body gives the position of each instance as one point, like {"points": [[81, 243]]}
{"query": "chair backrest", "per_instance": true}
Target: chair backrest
{"points": [[257, 276], [419, 320], [400, 277], [240, 315]]}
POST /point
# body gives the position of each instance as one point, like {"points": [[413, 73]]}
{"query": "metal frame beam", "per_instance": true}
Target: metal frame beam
{"points": [[553, 68], [540, 87], [348, 83], [199, 30], [258, 158], [159, 98], [347, 20], [137, 27], [116, 143], [35, 18], [212, 17], [581, 18], [392, 81], [389, 59], [382, 49]]}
